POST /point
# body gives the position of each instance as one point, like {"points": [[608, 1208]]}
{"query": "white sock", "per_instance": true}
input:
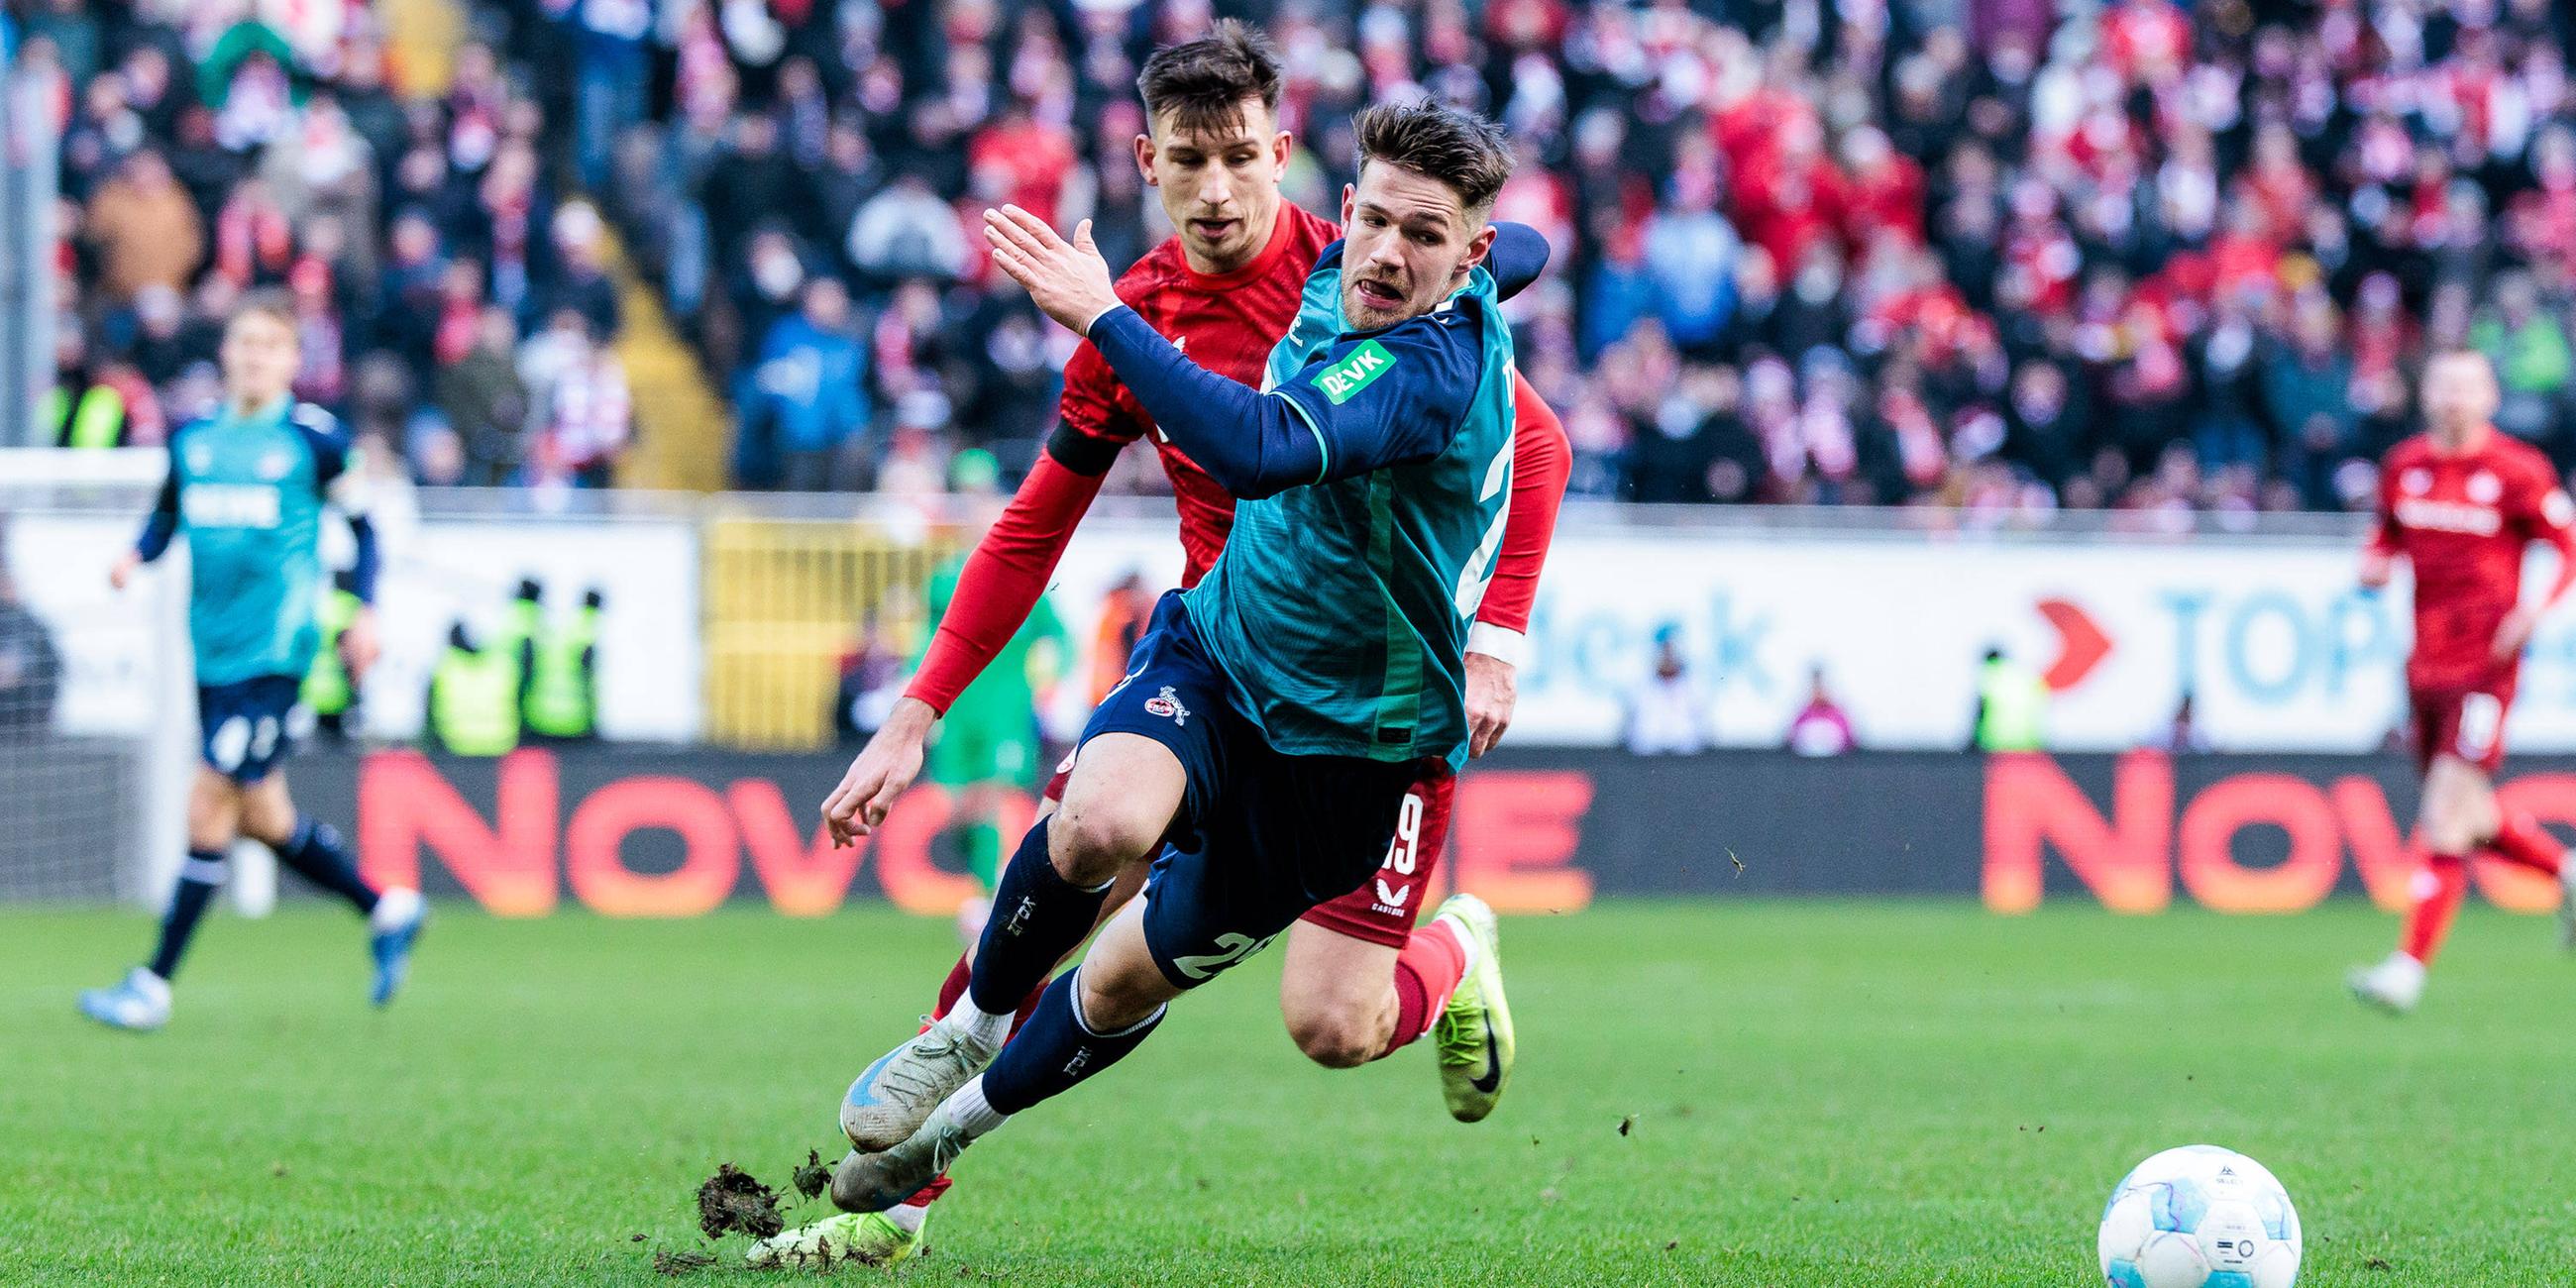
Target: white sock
{"points": [[908, 1217], [395, 908], [967, 1108], [984, 1027]]}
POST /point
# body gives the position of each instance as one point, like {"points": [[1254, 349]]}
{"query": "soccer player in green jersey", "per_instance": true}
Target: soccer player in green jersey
{"points": [[1274, 717], [989, 743], [248, 486]]}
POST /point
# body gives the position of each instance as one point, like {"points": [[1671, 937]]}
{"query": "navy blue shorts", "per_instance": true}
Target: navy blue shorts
{"points": [[246, 728], [1263, 836]]}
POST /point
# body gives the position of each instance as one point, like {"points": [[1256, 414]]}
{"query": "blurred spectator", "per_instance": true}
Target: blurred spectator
{"points": [[582, 416], [1668, 714], [580, 280], [1124, 609], [1820, 728], [803, 409], [144, 229], [2530, 352], [2183, 733], [484, 402], [871, 678], [907, 231]]}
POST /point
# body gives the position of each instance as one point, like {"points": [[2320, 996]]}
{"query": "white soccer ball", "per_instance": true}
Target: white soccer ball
{"points": [[2200, 1217]]}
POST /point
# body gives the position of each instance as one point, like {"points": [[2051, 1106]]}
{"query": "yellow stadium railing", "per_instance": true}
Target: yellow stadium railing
{"points": [[785, 600]]}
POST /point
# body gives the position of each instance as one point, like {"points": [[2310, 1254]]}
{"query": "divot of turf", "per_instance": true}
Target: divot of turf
{"points": [[813, 1176], [733, 1199]]}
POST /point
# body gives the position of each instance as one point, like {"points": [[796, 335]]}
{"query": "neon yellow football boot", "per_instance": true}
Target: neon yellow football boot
{"points": [[868, 1238], [1473, 1036]]}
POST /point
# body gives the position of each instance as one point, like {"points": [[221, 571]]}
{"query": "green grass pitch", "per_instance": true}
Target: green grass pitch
{"points": [[1814, 1093]]}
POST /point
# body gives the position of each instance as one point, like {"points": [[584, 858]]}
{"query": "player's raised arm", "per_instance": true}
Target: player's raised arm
{"points": [[1379, 399]]}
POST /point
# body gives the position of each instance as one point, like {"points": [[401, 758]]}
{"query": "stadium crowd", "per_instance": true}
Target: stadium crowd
{"points": [[2004, 254]]}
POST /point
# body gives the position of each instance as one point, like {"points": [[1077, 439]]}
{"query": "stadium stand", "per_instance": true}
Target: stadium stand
{"points": [[2001, 254]]}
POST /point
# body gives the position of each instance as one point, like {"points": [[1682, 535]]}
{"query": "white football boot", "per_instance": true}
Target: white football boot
{"points": [[140, 1003], [2394, 985]]}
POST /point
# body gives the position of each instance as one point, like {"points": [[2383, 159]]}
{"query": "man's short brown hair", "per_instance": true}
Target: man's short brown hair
{"points": [[269, 303], [1203, 82], [1463, 150]]}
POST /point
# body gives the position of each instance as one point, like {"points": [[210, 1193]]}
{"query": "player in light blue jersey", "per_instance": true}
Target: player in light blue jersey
{"points": [[248, 486], [1274, 717]]}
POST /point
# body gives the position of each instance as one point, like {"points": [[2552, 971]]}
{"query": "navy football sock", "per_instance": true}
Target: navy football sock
{"points": [[1037, 918], [199, 878], [1056, 1049], [315, 852]]}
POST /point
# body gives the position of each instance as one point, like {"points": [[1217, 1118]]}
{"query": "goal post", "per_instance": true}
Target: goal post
{"points": [[97, 700]]}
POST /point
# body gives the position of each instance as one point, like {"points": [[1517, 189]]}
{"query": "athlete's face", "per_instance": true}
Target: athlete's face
{"points": [[2459, 394], [261, 356], [1407, 243], [1219, 185]]}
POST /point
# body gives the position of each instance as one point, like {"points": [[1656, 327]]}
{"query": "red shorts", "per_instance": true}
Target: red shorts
{"points": [[1384, 910], [2467, 723]]}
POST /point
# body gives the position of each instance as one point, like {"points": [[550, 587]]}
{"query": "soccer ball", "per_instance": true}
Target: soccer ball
{"points": [[2200, 1217]]}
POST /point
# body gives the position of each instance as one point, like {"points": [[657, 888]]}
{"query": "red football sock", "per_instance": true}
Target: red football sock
{"points": [[954, 986], [2437, 893], [1426, 973], [2523, 841]]}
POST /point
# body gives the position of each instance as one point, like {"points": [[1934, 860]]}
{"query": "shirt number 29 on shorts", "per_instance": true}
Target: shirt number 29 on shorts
{"points": [[1402, 854]]}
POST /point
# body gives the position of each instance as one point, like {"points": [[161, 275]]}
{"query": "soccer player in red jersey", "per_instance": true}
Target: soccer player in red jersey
{"points": [[1360, 981], [2462, 502]]}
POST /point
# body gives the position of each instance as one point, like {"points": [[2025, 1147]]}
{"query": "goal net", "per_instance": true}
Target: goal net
{"points": [[97, 708]]}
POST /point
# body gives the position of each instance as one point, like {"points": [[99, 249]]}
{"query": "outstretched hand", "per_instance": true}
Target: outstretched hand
{"points": [[1068, 280], [881, 773]]}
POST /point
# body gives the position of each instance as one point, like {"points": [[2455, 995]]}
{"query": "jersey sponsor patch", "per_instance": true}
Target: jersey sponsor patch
{"points": [[229, 505], [1343, 380], [2450, 516], [2556, 509]]}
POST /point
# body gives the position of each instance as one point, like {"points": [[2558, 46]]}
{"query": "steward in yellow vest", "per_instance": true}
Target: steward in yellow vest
{"points": [[474, 697], [2012, 705], [559, 691]]}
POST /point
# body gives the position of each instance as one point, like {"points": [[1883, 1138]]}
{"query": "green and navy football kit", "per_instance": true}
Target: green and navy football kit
{"points": [[1301, 685], [1305, 681], [249, 491]]}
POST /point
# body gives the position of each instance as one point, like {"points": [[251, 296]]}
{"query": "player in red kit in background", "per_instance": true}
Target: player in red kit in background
{"points": [[1360, 981], [2462, 502]]}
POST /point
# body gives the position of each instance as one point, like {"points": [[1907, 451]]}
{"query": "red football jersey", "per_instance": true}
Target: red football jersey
{"points": [[2463, 521], [1227, 323]]}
